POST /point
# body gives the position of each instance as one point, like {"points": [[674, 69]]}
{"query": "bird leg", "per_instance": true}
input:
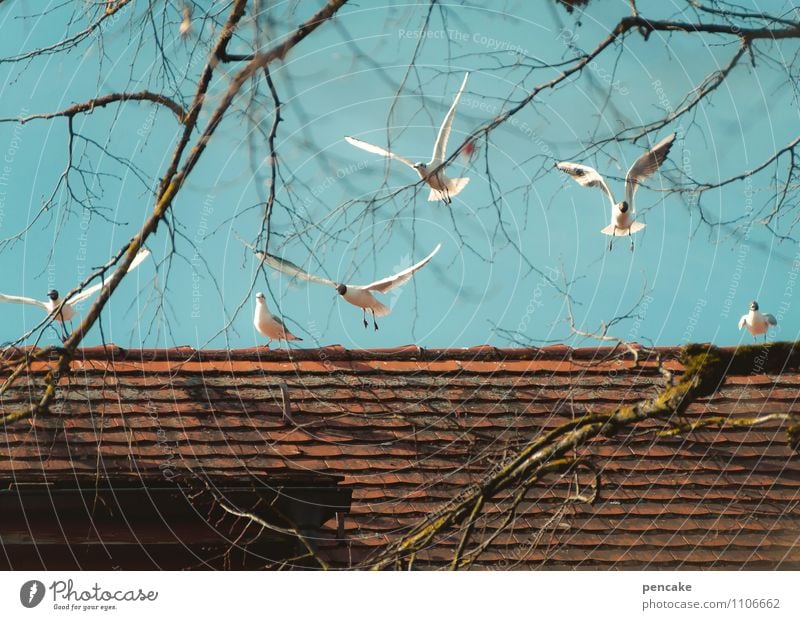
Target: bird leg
{"points": [[364, 310], [611, 241], [373, 321], [445, 191], [59, 318], [65, 334], [631, 238]]}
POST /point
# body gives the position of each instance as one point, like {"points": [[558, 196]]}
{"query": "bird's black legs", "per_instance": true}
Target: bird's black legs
{"points": [[611, 241], [445, 192], [366, 324], [631, 238]]}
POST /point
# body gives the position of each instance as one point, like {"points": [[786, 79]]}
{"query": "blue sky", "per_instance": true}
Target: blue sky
{"points": [[698, 280]]}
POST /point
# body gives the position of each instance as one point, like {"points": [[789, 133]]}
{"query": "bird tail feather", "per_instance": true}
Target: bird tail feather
{"points": [[454, 187], [612, 230], [379, 309]]}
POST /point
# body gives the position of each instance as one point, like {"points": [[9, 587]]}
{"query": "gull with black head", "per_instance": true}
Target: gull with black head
{"points": [[64, 311], [359, 295], [756, 322], [442, 187]]}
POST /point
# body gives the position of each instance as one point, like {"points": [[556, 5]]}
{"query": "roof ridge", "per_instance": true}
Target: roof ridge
{"points": [[337, 352]]}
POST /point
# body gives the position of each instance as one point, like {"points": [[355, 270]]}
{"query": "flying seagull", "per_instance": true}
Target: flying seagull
{"points": [[358, 295], [268, 325], [67, 311], [442, 187], [622, 222], [756, 322]]}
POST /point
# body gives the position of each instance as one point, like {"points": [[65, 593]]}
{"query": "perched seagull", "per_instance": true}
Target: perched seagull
{"points": [[268, 325], [442, 188], [622, 222], [67, 311], [756, 322], [358, 295]]}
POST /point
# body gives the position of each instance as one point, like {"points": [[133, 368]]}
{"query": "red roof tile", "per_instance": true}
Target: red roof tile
{"points": [[407, 429]]}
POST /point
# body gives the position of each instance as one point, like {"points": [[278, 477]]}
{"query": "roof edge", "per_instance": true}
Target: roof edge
{"points": [[339, 353]]}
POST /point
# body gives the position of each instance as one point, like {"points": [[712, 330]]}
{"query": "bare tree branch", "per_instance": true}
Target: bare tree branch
{"points": [[99, 102]]}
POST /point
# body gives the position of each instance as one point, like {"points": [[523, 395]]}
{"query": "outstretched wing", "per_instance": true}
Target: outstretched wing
{"points": [[88, 292], [382, 286], [290, 269], [742, 321], [586, 176], [646, 165], [771, 319], [440, 148], [13, 299], [377, 150]]}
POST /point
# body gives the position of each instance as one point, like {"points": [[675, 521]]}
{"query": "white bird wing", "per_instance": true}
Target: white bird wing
{"points": [[13, 299], [265, 314], [586, 176], [88, 292], [377, 150], [440, 147], [290, 269], [85, 293], [771, 319], [382, 286], [742, 321], [646, 165]]}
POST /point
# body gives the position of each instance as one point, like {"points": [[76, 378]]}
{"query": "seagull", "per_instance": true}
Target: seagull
{"points": [[65, 310], [622, 222], [268, 325], [442, 187], [358, 295], [756, 322]]}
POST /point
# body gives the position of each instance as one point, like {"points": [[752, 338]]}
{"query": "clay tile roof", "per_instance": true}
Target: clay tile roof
{"points": [[406, 429]]}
